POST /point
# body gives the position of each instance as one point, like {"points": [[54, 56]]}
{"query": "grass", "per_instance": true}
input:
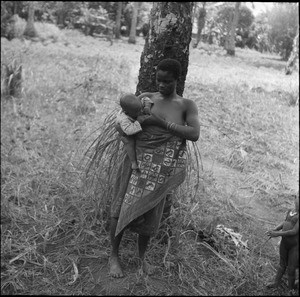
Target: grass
{"points": [[54, 238]]}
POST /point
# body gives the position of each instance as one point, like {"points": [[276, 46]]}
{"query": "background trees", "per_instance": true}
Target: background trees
{"points": [[133, 23], [118, 20], [273, 30], [283, 20], [30, 30], [201, 14], [224, 18], [230, 38]]}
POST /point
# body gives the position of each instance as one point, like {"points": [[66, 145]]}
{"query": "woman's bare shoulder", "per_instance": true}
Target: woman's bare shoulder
{"points": [[188, 101], [189, 104]]}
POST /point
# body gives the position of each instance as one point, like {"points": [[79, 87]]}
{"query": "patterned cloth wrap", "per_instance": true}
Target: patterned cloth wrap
{"points": [[139, 197]]}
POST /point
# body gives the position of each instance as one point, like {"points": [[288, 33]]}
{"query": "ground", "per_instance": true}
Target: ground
{"points": [[53, 239]]}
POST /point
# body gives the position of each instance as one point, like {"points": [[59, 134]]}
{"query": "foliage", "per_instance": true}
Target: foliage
{"points": [[283, 20], [224, 18], [6, 14], [258, 37], [271, 31]]}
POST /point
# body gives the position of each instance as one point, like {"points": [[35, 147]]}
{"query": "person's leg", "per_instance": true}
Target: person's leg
{"points": [[283, 253], [165, 225], [143, 241], [292, 263], [115, 269]]}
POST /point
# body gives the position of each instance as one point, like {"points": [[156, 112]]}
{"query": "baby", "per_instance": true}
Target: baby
{"points": [[128, 122], [289, 246]]}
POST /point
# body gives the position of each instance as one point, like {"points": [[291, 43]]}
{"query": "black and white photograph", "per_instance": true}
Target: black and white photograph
{"points": [[149, 148]]}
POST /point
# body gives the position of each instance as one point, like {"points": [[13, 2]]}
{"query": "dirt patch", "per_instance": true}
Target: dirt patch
{"points": [[133, 283], [231, 182]]}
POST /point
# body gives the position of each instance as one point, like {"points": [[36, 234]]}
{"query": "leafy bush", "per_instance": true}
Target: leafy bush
{"points": [[283, 20], [224, 17]]}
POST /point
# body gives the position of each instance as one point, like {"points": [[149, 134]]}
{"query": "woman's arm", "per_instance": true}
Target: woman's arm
{"points": [[190, 131]]}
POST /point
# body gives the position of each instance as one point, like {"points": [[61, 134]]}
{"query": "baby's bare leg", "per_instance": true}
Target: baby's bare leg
{"points": [[129, 143]]}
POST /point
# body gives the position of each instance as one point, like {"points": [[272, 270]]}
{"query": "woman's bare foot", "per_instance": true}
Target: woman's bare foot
{"points": [[115, 269]]}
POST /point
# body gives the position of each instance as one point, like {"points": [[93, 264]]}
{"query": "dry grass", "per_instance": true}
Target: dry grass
{"points": [[52, 224]]}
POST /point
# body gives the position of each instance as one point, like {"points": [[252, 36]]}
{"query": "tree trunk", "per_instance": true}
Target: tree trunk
{"points": [[294, 54], [169, 37], [230, 42], [200, 23], [118, 20], [194, 14], [133, 23], [29, 29]]}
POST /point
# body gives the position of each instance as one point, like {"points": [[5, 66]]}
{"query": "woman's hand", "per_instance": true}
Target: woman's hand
{"points": [[152, 119]]}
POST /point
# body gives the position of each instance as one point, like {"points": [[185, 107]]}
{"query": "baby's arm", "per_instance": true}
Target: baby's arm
{"points": [[127, 127], [132, 128]]}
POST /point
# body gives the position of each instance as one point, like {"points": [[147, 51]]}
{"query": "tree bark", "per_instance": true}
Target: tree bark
{"points": [[200, 23], [30, 29], [118, 20], [294, 54], [230, 42], [132, 34], [169, 37]]}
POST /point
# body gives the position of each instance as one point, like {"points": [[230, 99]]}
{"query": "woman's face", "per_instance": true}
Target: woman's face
{"points": [[166, 83]]}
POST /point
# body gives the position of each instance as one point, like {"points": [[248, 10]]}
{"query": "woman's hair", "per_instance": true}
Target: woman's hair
{"points": [[170, 65]]}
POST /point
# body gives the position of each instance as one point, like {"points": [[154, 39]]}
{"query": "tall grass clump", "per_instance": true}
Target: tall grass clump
{"points": [[11, 78], [11, 72], [49, 222]]}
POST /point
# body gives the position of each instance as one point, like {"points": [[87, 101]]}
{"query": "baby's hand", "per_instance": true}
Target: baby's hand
{"points": [[142, 118], [147, 110], [271, 233]]}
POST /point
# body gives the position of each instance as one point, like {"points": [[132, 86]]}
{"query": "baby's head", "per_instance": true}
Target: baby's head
{"points": [[131, 105]]}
